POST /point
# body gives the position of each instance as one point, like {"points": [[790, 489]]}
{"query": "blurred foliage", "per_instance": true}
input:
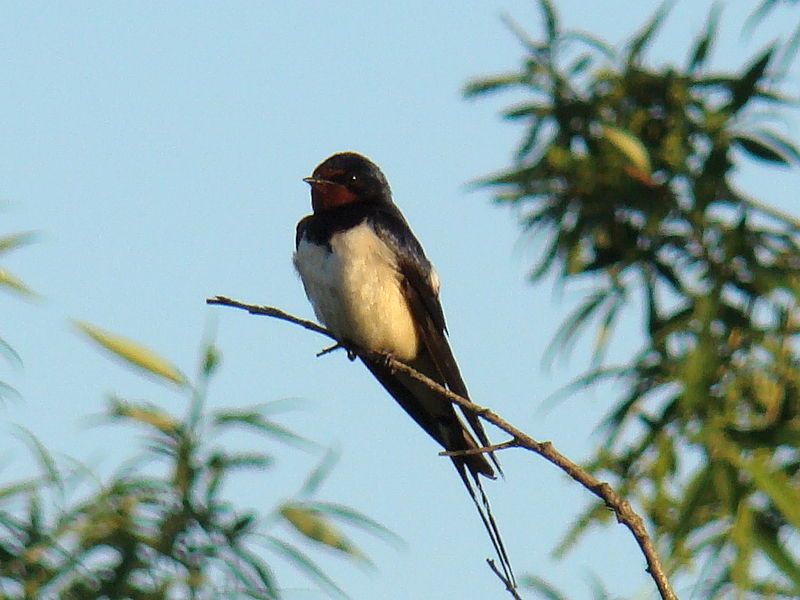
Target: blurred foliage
{"points": [[11, 283], [161, 527], [625, 172], [547, 591], [8, 281]]}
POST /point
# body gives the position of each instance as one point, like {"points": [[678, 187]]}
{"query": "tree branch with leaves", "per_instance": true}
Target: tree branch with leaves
{"points": [[625, 172]]}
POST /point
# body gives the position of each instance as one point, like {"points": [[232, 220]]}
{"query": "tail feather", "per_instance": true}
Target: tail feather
{"points": [[487, 517], [438, 417]]}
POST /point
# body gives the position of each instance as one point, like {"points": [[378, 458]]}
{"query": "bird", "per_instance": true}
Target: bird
{"points": [[370, 283]]}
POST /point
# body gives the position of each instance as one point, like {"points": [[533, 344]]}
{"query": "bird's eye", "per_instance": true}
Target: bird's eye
{"points": [[353, 178]]}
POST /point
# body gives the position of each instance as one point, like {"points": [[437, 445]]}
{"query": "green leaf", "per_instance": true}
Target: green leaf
{"points": [[695, 492], [744, 88], [241, 460], [255, 420], [580, 65], [605, 327], [7, 391], [640, 41], [543, 588], [132, 352], [355, 518], [315, 527], [776, 486], [144, 414], [266, 580], [18, 488], [14, 241], [704, 43], [492, 84], [629, 146], [46, 461], [780, 143], [757, 15], [590, 41], [766, 538], [14, 284], [211, 358], [306, 565], [550, 20], [564, 337], [594, 513], [10, 353], [319, 474], [534, 110], [759, 149], [599, 591]]}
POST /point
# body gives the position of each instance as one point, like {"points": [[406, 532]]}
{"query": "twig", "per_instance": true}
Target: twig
{"points": [[621, 507], [509, 585], [482, 449], [329, 349]]}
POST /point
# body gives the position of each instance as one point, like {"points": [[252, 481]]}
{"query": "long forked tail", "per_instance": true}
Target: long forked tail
{"points": [[485, 513]]}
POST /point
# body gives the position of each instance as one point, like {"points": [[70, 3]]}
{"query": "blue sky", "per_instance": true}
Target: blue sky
{"points": [[158, 148]]}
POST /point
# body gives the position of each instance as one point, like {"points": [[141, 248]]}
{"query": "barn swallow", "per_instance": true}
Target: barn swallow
{"points": [[370, 283]]}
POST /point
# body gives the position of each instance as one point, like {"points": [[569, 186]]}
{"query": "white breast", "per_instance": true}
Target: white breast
{"points": [[355, 291]]}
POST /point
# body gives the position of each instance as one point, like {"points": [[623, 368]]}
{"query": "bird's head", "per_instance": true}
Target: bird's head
{"points": [[346, 178]]}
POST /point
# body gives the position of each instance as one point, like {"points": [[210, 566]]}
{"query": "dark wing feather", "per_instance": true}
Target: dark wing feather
{"points": [[423, 301], [301, 230]]}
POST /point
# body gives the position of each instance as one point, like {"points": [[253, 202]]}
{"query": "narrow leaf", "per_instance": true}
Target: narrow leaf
{"points": [[10, 353], [629, 145], [759, 149], [744, 88], [254, 420], [758, 14], [355, 518], [315, 527], [542, 587], [780, 143], [641, 40], [590, 41], [492, 84], [132, 352], [46, 461], [306, 565], [767, 540], [15, 240], [265, 576], [319, 474], [550, 20], [14, 284], [704, 43], [18, 488], [776, 486], [142, 413]]}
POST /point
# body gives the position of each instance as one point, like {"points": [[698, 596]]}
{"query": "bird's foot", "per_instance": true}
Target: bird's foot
{"points": [[388, 361]]}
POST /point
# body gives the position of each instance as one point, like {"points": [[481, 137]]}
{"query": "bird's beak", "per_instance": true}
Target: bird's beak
{"points": [[312, 181]]}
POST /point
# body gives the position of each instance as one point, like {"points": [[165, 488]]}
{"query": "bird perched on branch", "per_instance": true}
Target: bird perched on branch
{"points": [[371, 284]]}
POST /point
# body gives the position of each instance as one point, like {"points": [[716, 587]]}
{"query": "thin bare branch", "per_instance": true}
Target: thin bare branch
{"points": [[621, 507], [506, 582], [482, 449]]}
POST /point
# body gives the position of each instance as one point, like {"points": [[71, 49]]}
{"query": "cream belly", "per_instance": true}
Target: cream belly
{"points": [[355, 291]]}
